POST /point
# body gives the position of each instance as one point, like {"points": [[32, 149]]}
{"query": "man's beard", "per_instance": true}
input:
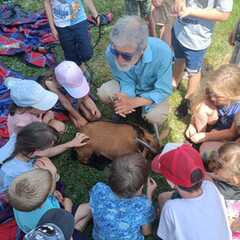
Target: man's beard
{"points": [[124, 68]]}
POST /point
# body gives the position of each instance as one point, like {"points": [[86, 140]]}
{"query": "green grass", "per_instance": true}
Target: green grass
{"points": [[79, 178]]}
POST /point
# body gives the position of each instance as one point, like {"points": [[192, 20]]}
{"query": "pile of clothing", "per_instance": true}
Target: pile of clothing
{"points": [[26, 33]]}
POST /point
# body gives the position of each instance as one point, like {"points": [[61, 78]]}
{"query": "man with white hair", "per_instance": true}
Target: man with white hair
{"points": [[142, 70]]}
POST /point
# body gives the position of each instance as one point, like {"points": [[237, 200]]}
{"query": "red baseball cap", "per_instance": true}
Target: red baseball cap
{"points": [[177, 163]]}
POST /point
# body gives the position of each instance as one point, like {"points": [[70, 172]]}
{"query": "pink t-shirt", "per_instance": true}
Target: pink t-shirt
{"points": [[20, 120]]}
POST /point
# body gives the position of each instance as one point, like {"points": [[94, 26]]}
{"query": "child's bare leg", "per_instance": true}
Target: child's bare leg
{"points": [[178, 70], [193, 82], [205, 115], [162, 198], [82, 216], [57, 125]]}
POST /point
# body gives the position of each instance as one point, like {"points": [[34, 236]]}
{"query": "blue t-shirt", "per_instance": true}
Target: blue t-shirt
{"points": [[68, 12], [118, 218], [11, 169], [26, 221], [226, 115]]}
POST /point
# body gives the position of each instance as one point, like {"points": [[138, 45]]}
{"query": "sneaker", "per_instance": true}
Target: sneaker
{"points": [[182, 109]]}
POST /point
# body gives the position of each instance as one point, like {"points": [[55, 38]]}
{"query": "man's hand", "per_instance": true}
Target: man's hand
{"points": [[123, 105]]}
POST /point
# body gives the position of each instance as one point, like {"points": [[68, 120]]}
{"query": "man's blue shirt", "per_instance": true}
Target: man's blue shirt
{"points": [[150, 77]]}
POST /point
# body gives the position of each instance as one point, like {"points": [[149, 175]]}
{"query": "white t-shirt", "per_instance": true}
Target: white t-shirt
{"points": [[200, 218], [195, 33]]}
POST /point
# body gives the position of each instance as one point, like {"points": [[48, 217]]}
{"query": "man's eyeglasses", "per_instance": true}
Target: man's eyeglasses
{"points": [[125, 55]]}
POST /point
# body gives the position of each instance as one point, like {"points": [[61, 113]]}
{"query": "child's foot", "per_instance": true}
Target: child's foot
{"points": [[89, 109]]}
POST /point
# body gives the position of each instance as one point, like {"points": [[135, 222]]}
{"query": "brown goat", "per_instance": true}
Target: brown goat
{"points": [[113, 140]]}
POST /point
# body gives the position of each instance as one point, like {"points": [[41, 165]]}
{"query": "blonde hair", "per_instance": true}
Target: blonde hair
{"points": [[224, 81], [228, 161], [30, 190]]}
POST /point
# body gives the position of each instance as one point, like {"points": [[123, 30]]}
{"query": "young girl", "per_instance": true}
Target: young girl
{"points": [[33, 140], [72, 89], [217, 106], [226, 176], [120, 210], [31, 104]]}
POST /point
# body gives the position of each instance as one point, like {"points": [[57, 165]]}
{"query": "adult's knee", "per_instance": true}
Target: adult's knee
{"points": [[107, 91]]}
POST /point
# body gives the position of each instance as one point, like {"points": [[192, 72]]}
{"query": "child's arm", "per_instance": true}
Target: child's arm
{"points": [[208, 14], [47, 164], [147, 229], [79, 120], [215, 135], [48, 10], [78, 141], [151, 187], [92, 9]]}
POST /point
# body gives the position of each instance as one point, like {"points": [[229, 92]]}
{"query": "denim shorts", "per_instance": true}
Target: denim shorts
{"points": [[194, 58], [76, 42]]}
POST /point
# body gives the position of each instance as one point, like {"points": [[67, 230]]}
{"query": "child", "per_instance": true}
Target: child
{"points": [[191, 37], [120, 210], [161, 13], [71, 81], [196, 209], [31, 104], [32, 195], [234, 40], [33, 140], [68, 23], [225, 172], [141, 8], [217, 106]]}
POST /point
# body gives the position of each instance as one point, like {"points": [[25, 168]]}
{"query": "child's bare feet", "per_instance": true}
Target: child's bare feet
{"points": [[89, 109]]}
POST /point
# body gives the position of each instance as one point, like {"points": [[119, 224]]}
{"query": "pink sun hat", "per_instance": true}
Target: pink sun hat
{"points": [[70, 76]]}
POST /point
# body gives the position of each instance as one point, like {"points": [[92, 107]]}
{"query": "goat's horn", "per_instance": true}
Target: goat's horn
{"points": [[140, 141]]}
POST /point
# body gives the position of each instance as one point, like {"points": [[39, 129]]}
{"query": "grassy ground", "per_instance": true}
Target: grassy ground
{"points": [[79, 178]]}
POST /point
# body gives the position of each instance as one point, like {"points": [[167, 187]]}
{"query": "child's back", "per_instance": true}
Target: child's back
{"points": [[202, 217], [118, 218], [120, 210]]}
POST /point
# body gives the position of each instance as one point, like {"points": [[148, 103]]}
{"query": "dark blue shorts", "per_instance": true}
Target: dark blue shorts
{"points": [[194, 58], [76, 42]]}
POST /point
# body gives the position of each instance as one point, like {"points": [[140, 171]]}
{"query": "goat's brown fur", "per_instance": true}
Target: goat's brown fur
{"points": [[113, 140]]}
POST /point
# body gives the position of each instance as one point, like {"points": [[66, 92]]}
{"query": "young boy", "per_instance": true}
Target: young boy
{"points": [[72, 89], [195, 210], [33, 193], [68, 23], [120, 210], [191, 38]]}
